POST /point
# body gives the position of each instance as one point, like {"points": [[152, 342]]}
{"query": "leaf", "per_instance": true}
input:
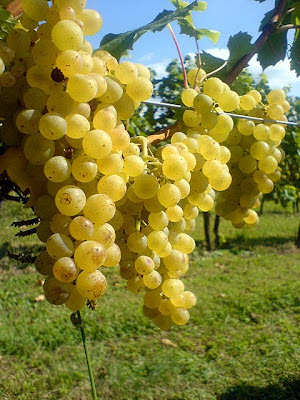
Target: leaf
{"points": [[118, 44], [188, 28], [295, 54], [7, 22], [210, 63], [273, 50], [168, 342], [187, 24], [239, 45]]}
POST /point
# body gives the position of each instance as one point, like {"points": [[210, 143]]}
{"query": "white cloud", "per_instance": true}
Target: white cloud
{"points": [[160, 68], [147, 57]]}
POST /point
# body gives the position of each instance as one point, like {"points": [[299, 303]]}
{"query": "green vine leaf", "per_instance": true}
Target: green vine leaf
{"points": [[239, 45], [7, 22], [273, 50], [117, 44], [295, 54], [187, 24]]}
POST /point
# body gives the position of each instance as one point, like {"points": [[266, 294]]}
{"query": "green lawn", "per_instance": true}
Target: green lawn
{"points": [[242, 342]]}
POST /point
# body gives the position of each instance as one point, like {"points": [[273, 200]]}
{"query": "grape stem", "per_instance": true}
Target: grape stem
{"points": [[185, 81], [87, 355]]}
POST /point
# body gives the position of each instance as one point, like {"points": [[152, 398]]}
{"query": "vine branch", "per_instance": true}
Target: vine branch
{"points": [[268, 29]]}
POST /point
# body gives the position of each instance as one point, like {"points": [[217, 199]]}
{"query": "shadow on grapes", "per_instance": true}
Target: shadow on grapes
{"points": [[283, 390]]}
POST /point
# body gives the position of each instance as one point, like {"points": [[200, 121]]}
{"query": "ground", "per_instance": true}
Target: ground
{"points": [[242, 341]]}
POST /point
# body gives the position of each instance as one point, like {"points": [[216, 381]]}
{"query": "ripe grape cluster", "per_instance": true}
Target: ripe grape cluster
{"points": [[105, 199]]}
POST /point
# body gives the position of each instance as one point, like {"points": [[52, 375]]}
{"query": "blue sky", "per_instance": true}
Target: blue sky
{"points": [[157, 50]]}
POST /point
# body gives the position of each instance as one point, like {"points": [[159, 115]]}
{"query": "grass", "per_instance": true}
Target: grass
{"points": [[242, 342]]}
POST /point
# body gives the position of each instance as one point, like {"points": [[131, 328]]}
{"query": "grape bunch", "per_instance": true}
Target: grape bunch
{"points": [[105, 199], [252, 148]]}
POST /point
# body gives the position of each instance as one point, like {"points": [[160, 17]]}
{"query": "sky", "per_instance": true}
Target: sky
{"points": [[156, 50]]}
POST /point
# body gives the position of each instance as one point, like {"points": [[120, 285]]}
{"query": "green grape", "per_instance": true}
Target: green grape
{"points": [[203, 103], [81, 228], [209, 120], [247, 164], [105, 118], [35, 98], [99, 208], [152, 299], [27, 121], [44, 31], [111, 164], [59, 245], [145, 186], [113, 92], [90, 255], [125, 107], [91, 285], [188, 96], [44, 263], [176, 260], [165, 306], [19, 41], [180, 316], [169, 195], [7, 79], [43, 230], [69, 62], [61, 103], [113, 256], [184, 187], [153, 205], [120, 139], [174, 213], [143, 71], [256, 95], [275, 111], [35, 9], [65, 270], [260, 150], [97, 144], [268, 165], [245, 127], [67, 13], [184, 243], [157, 241], [266, 186], [82, 88], [191, 118], [212, 168], [195, 76], [70, 200], [213, 87], [92, 21], [144, 265], [152, 280], [276, 96], [178, 137], [84, 169], [202, 200], [277, 132], [163, 322], [158, 220], [229, 101], [59, 223], [275, 176], [44, 53], [133, 166], [101, 83], [27, 22], [57, 169], [172, 287], [126, 72], [174, 167], [190, 299], [247, 102], [67, 35], [178, 301], [104, 234], [56, 292], [140, 89], [77, 126], [135, 284], [224, 155], [113, 186], [38, 149], [190, 212], [75, 301], [52, 126], [137, 242]]}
